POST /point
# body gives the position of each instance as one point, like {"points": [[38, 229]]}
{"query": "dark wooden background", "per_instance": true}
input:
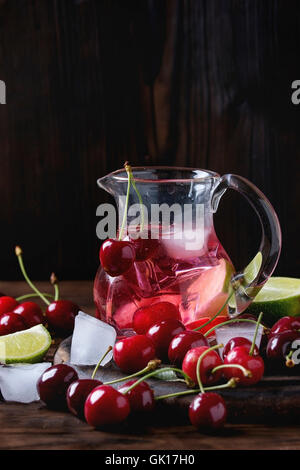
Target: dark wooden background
{"points": [[92, 83]]}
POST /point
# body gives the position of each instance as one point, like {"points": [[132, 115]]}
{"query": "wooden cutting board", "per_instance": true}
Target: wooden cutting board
{"points": [[276, 399]]}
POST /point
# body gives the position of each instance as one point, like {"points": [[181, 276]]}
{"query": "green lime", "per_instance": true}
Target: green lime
{"points": [[25, 346], [251, 271], [280, 296]]}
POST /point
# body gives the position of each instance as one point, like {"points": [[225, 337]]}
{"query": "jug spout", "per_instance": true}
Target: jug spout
{"points": [[106, 182], [114, 183]]}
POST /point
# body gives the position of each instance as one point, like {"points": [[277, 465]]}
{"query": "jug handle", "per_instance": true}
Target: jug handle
{"points": [[247, 283]]}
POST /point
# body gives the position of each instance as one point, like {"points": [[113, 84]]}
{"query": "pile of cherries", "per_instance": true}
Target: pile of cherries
{"points": [[160, 336], [118, 256], [15, 316]]}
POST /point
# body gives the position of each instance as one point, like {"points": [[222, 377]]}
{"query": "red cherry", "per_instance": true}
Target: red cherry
{"points": [[61, 316], [208, 411], [11, 322], [279, 345], [105, 405], [208, 363], [53, 384], [141, 397], [7, 304], [133, 353], [162, 333], [182, 342], [31, 313], [116, 256], [254, 364], [239, 341], [144, 248], [77, 394], [285, 324], [145, 317]]}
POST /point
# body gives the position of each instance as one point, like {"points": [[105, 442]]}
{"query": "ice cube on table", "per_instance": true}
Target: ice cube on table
{"points": [[227, 332], [91, 339], [18, 381]]}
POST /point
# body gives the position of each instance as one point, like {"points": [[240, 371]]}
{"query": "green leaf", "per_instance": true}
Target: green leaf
{"points": [[168, 375]]}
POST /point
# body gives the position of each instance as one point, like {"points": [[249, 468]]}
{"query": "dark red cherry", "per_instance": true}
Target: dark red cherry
{"points": [[280, 345], [162, 333], [144, 248], [106, 406], [133, 353], [208, 411], [31, 313], [116, 256], [11, 322], [255, 364], [61, 316], [77, 394], [182, 342], [145, 317], [141, 397], [208, 363], [7, 304], [53, 384], [285, 324], [239, 341]]}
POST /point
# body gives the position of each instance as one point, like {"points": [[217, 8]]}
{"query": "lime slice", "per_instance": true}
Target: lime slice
{"points": [[251, 271], [280, 296], [25, 346]]}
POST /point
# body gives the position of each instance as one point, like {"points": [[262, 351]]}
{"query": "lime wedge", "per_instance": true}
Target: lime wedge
{"points": [[251, 271], [25, 346], [280, 296]]}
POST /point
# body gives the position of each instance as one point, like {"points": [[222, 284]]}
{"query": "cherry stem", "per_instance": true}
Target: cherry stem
{"points": [[100, 360], [19, 252], [290, 363], [155, 372], [152, 365], [245, 371], [28, 296], [217, 314], [126, 204], [288, 359], [233, 320], [289, 354], [255, 334], [131, 181], [54, 282], [230, 384], [56, 292], [128, 169], [199, 364]]}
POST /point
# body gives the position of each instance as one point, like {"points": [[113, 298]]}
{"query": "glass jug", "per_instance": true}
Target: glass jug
{"points": [[188, 267]]}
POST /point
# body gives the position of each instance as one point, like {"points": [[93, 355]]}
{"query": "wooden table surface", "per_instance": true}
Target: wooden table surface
{"points": [[34, 427]]}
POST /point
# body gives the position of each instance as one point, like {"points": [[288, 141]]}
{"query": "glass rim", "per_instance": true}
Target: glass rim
{"points": [[121, 175]]}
